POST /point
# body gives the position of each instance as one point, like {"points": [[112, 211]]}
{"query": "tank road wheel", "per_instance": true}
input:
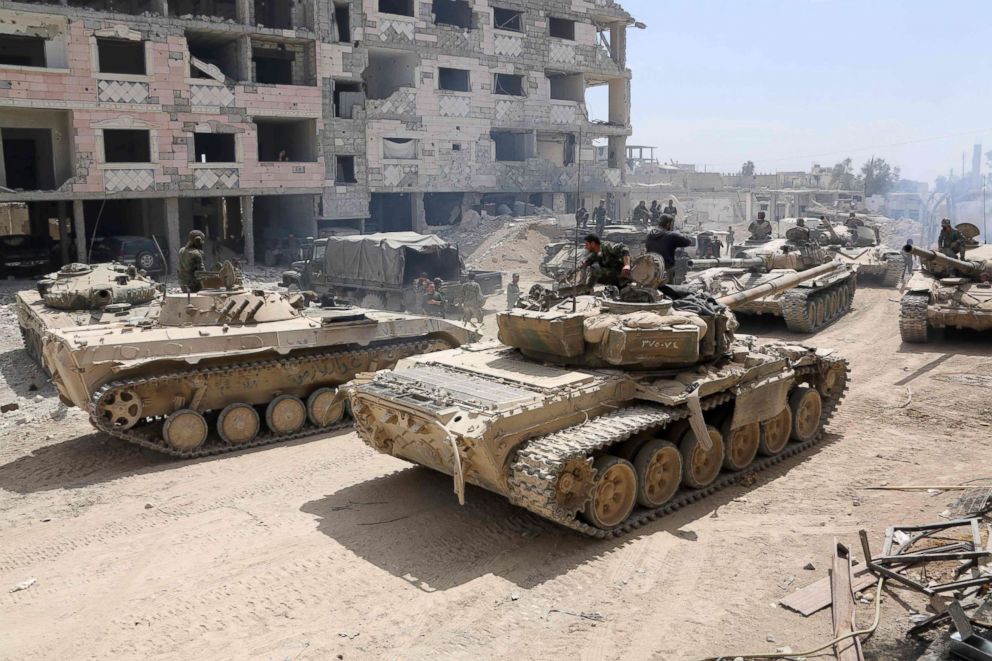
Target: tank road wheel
{"points": [[613, 494], [821, 311], [701, 467], [913, 325], [830, 379], [658, 465], [286, 415], [775, 433], [742, 444], [324, 407], [185, 430], [238, 424], [806, 407], [121, 408]]}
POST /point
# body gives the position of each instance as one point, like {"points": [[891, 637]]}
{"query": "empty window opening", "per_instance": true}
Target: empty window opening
{"points": [[28, 157], [276, 14], [126, 146], [455, 80], [561, 28], [456, 146], [510, 146], [597, 100], [567, 87], [443, 208], [214, 147], [286, 140], [213, 49], [508, 84], [453, 12], [402, 148], [401, 7], [22, 51], [508, 19], [390, 212], [558, 148], [347, 97], [121, 56], [342, 18], [387, 72], [272, 66], [344, 170], [226, 9]]}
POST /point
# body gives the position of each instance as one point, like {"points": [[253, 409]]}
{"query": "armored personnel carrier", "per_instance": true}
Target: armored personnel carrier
{"points": [[83, 294], [810, 305], [604, 418], [229, 367], [861, 247], [947, 293]]}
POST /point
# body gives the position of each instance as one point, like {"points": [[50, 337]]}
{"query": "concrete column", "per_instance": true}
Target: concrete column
{"points": [[63, 231], [242, 9], [419, 213], [79, 221], [172, 232], [244, 59], [248, 227]]}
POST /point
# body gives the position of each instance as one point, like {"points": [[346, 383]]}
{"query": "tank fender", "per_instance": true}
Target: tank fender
{"points": [[762, 400], [920, 283]]}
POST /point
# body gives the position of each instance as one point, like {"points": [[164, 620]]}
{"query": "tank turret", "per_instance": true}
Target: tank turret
{"points": [[965, 267]]}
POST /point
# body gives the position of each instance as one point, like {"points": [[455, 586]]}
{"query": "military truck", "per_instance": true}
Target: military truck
{"points": [[947, 293], [378, 271]]}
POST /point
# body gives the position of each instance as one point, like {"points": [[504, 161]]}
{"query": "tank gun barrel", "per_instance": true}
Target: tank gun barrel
{"points": [[777, 285], [722, 262], [963, 266]]}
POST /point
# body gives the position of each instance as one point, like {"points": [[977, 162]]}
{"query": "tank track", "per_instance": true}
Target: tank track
{"points": [[913, 325], [796, 305], [149, 434], [535, 470], [894, 267]]}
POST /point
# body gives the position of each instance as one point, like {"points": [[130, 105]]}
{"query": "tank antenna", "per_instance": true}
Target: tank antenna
{"points": [[578, 205]]}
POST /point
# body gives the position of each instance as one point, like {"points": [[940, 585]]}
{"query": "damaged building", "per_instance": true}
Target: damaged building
{"points": [[255, 119]]}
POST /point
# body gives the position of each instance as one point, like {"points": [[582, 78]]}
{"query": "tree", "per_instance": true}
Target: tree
{"points": [[748, 169], [879, 176], [842, 176]]}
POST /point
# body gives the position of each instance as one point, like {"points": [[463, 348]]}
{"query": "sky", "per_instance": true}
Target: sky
{"points": [[790, 83]]}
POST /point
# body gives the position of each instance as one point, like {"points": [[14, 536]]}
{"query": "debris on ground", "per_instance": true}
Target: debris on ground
{"points": [[24, 585]]}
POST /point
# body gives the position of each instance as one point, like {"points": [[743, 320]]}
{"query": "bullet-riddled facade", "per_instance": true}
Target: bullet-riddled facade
{"points": [[255, 119]]}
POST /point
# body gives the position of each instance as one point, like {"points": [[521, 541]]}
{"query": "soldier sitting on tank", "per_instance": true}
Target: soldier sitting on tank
{"points": [[640, 213], [664, 240], [800, 233], [760, 229], [853, 222], [950, 241], [608, 262], [191, 261], [472, 300]]}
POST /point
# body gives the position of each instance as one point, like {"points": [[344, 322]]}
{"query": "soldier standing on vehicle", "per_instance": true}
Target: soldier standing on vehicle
{"points": [[670, 208], [664, 241], [950, 241], [609, 262], [191, 261], [760, 229], [640, 213], [599, 217], [655, 211], [513, 292], [472, 300]]}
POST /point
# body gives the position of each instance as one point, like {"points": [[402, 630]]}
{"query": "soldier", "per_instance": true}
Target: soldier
{"points": [[730, 237], [670, 208], [435, 301], [950, 241], [664, 241], [472, 300], [803, 233], [760, 229], [581, 216], [852, 221], [420, 292], [513, 292], [655, 211], [609, 262], [908, 260], [640, 213], [191, 261], [599, 217]]}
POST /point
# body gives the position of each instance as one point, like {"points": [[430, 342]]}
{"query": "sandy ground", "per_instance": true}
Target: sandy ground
{"points": [[324, 549]]}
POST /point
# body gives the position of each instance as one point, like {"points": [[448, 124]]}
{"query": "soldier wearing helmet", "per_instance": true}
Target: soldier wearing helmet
{"points": [[191, 261]]}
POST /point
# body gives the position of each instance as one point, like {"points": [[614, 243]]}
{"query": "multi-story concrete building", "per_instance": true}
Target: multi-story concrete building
{"points": [[254, 119]]}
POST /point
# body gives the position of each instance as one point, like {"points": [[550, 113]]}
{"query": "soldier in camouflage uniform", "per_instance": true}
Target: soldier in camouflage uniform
{"points": [[472, 300], [191, 261], [609, 262]]}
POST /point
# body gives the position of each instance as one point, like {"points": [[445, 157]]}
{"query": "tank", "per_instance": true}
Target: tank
{"points": [[862, 248], [604, 418], [947, 293], [230, 367], [83, 294], [809, 306]]}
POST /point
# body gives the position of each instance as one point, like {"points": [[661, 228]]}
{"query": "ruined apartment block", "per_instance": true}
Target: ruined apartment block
{"points": [[254, 119]]}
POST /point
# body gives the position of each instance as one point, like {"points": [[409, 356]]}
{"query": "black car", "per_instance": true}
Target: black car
{"points": [[136, 250], [25, 255]]}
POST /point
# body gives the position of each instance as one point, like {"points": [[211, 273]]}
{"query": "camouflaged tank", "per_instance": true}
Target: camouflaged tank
{"points": [[82, 295], [861, 247], [604, 417], [230, 367], [947, 293], [808, 306]]}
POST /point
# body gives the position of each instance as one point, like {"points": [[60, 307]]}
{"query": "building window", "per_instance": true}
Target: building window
{"points": [[214, 147], [347, 97], [121, 56], [399, 7], [567, 87], [455, 80], [127, 146], [453, 12], [344, 170], [273, 67], [342, 19], [508, 84], [510, 146], [22, 51], [561, 28], [286, 140], [508, 19]]}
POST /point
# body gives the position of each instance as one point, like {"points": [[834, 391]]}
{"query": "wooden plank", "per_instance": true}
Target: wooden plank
{"points": [[842, 604], [816, 596]]}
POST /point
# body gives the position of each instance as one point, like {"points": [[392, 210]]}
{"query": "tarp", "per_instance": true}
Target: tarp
{"points": [[379, 258], [405, 149]]}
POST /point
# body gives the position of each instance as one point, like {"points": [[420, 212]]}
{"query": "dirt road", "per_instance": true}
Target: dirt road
{"points": [[323, 549]]}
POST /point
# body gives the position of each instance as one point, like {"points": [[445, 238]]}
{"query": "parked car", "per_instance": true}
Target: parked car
{"points": [[138, 251], [25, 255]]}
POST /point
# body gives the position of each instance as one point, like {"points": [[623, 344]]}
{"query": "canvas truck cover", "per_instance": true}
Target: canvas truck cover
{"points": [[390, 258]]}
